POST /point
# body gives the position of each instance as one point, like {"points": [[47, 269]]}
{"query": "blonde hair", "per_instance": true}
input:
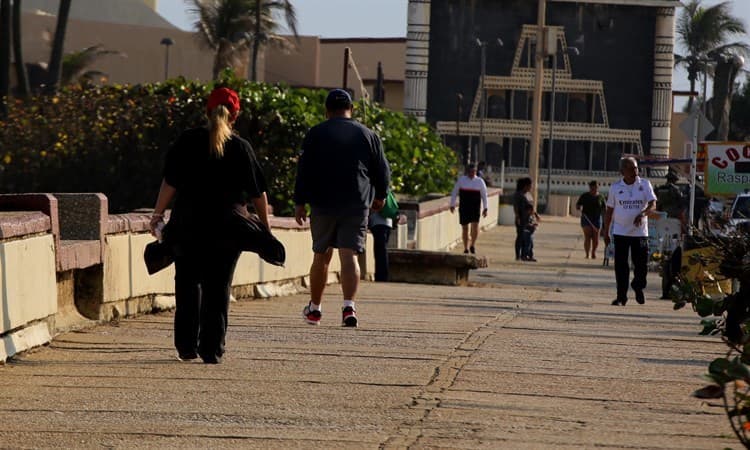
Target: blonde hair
{"points": [[220, 129]]}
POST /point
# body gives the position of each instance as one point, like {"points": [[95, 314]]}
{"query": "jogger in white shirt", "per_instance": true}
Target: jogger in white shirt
{"points": [[472, 193]]}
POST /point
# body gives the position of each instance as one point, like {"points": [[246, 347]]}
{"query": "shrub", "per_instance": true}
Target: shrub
{"points": [[113, 139], [727, 315]]}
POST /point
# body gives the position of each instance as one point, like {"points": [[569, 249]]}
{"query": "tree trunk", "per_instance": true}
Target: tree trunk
{"points": [[691, 78], [256, 38], [54, 69], [21, 75], [5, 24], [725, 74], [223, 58]]}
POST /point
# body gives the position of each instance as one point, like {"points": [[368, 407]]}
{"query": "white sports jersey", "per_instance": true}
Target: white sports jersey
{"points": [[628, 200]]}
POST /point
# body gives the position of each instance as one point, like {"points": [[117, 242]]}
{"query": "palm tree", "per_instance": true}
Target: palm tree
{"points": [[725, 74], [21, 74], [223, 26], [75, 64], [5, 23], [54, 69], [266, 27], [703, 32], [228, 27]]}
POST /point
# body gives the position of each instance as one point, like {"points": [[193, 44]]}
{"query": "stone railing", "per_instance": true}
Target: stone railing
{"points": [[66, 263]]}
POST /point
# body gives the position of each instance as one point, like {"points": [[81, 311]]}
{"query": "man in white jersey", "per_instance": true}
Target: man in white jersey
{"points": [[628, 204], [470, 190]]}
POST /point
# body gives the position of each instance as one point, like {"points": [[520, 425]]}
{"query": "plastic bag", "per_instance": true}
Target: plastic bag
{"points": [[390, 209]]}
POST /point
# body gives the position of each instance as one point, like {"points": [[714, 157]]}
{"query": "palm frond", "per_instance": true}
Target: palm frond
{"points": [[75, 63]]}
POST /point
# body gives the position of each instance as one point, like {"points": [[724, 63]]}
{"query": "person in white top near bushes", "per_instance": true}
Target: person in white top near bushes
{"points": [[471, 192]]}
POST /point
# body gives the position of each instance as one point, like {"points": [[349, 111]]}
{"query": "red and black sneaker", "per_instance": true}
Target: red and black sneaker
{"points": [[310, 316], [348, 317]]}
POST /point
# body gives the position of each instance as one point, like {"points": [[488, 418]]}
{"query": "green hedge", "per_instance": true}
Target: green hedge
{"points": [[112, 139]]}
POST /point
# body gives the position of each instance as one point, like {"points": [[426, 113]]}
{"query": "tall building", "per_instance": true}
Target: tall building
{"points": [[613, 79]]}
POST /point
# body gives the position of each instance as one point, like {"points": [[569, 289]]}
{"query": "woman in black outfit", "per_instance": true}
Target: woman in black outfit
{"points": [[211, 173]]}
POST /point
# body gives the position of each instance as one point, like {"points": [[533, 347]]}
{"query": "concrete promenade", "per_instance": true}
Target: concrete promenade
{"points": [[532, 356]]}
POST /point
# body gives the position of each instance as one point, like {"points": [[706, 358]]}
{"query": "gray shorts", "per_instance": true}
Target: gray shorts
{"points": [[338, 232]]}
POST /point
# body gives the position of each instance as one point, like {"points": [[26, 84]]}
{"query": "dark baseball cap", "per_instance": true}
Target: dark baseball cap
{"points": [[338, 99]]}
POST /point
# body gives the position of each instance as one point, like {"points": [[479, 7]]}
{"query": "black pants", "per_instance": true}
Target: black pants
{"points": [[203, 282], [380, 235], [637, 247]]}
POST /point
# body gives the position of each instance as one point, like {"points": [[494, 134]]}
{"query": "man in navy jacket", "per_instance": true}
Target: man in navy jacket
{"points": [[342, 173]]}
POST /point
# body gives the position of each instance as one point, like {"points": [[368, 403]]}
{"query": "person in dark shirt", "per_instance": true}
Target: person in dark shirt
{"points": [[672, 200], [342, 173], [211, 173], [521, 201], [592, 206]]}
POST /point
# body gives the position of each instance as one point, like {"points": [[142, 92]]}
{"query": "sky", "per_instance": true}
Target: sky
{"points": [[385, 18], [353, 18]]}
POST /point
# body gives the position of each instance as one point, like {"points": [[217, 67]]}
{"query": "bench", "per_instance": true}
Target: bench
{"points": [[429, 267]]}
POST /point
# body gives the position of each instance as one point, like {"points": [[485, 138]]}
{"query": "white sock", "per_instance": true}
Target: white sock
{"points": [[348, 303], [314, 307]]}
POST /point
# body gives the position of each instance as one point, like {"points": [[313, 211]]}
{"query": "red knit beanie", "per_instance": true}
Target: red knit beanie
{"points": [[224, 96]]}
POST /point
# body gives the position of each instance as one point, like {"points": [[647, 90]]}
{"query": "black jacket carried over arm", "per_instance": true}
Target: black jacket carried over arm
{"points": [[341, 169], [211, 204]]}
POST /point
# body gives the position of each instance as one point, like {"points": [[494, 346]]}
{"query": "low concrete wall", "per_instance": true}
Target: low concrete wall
{"points": [[28, 289], [559, 205], [399, 233], [69, 269], [438, 229]]}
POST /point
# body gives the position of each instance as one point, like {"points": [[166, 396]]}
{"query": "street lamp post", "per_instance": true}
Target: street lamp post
{"points": [[166, 42], [459, 101], [483, 94], [536, 103], [571, 51]]}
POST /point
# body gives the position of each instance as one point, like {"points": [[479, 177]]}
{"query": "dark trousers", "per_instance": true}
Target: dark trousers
{"points": [[519, 241], [527, 243], [380, 235], [637, 248], [203, 280]]}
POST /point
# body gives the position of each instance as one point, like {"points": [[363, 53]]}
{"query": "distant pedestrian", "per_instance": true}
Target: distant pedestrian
{"points": [[471, 192], [527, 234], [342, 173], [380, 227], [211, 173], [671, 200], [592, 205], [523, 208], [628, 204]]}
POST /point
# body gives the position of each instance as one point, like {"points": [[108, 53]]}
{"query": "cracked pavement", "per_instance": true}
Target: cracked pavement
{"points": [[530, 356]]}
